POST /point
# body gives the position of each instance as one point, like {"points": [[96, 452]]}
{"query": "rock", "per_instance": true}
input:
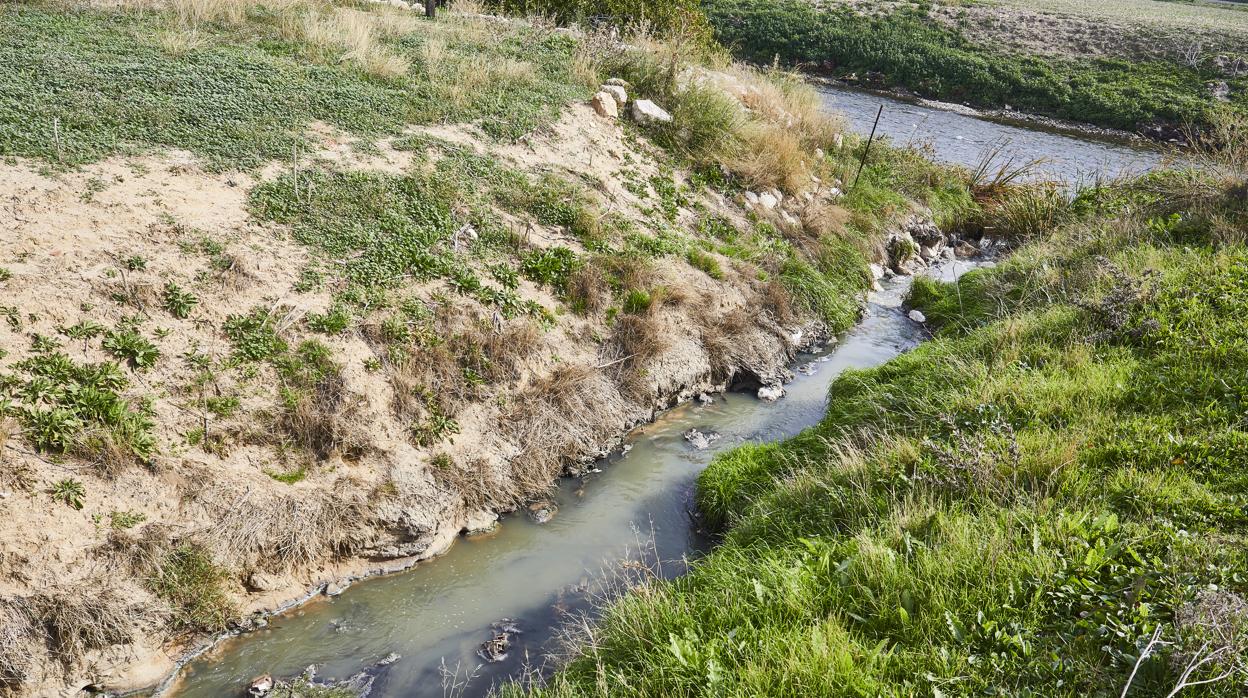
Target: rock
{"points": [[751, 198], [917, 316], [929, 253], [617, 82], [495, 649], [605, 106], [336, 588], [770, 393], [947, 254], [261, 582], [701, 440], [808, 369], [965, 250], [1220, 90], [704, 399], [482, 521], [778, 194], [543, 511], [768, 201], [618, 92], [646, 112], [260, 686], [626, 448], [877, 271]]}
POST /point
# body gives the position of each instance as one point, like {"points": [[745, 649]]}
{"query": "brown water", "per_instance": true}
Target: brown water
{"points": [[438, 613]]}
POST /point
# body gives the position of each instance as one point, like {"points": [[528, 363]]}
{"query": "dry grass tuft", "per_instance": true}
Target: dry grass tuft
{"points": [[140, 550], [476, 482], [637, 339], [588, 290], [430, 375], [285, 530], [349, 35], [721, 337], [318, 420], [83, 618], [557, 422], [17, 642], [772, 156]]}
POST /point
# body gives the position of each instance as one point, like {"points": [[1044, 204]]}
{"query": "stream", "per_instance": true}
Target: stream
{"points": [[636, 507], [961, 139]]}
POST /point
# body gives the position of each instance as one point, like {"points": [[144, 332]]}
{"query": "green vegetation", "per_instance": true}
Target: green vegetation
{"points": [[127, 344], [63, 405], [910, 50], [178, 301], [69, 492], [193, 584], [661, 16], [131, 86], [1014, 508]]}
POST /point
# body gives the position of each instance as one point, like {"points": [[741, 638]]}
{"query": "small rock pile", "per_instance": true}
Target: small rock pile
{"points": [[612, 97]]}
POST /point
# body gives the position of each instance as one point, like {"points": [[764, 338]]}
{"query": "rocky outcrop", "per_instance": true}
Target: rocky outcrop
{"points": [[648, 113]]}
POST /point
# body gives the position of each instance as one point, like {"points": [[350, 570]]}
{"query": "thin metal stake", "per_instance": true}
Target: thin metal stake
{"points": [[866, 151], [56, 137]]}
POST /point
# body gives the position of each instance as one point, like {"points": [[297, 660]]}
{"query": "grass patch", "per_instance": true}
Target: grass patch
{"points": [[912, 51], [100, 82], [1015, 507]]}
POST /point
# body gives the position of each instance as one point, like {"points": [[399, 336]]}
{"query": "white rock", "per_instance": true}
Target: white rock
{"points": [[778, 194], [770, 393], [336, 588], [917, 316], [835, 193], [482, 521], [617, 82], [751, 198], [619, 93], [768, 200], [604, 104], [877, 271], [647, 112], [701, 440], [704, 399], [259, 581], [260, 686]]}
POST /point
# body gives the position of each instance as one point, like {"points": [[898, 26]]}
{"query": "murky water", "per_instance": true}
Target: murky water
{"points": [[963, 139], [437, 614]]}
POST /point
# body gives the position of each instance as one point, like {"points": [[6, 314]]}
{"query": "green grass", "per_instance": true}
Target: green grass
{"points": [[1013, 508], [913, 52], [95, 83], [193, 585]]}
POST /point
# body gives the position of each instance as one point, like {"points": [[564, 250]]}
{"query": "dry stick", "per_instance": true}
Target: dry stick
{"points": [[867, 151]]}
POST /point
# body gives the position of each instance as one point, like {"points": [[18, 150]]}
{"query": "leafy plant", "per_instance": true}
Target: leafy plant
{"points": [[254, 335], [69, 491], [134, 348], [551, 266], [178, 301]]}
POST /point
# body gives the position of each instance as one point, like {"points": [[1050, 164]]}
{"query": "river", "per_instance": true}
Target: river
{"points": [[961, 139], [436, 615]]}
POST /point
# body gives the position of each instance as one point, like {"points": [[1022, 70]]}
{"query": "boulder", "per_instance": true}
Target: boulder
{"points": [[605, 106], [770, 393], [617, 82], [646, 112], [917, 316], [1220, 91], [261, 582], [336, 588], [543, 511], [768, 200], [704, 399], [260, 686], [965, 250], [619, 93], [751, 198]]}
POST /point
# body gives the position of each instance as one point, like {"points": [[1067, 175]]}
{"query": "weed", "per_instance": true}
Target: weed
{"points": [[123, 520], [178, 301], [129, 345], [551, 266], [69, 492], [706, 263], [254, 335]]}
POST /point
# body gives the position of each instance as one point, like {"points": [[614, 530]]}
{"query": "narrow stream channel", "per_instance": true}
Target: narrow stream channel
{"points": [[962, 139], [436, 615]]}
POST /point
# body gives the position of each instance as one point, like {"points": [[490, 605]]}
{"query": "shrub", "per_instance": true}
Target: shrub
{"points": [[254, 335]]}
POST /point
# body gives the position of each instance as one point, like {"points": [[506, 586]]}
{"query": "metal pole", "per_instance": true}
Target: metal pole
{"points": [[866, 151]]}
